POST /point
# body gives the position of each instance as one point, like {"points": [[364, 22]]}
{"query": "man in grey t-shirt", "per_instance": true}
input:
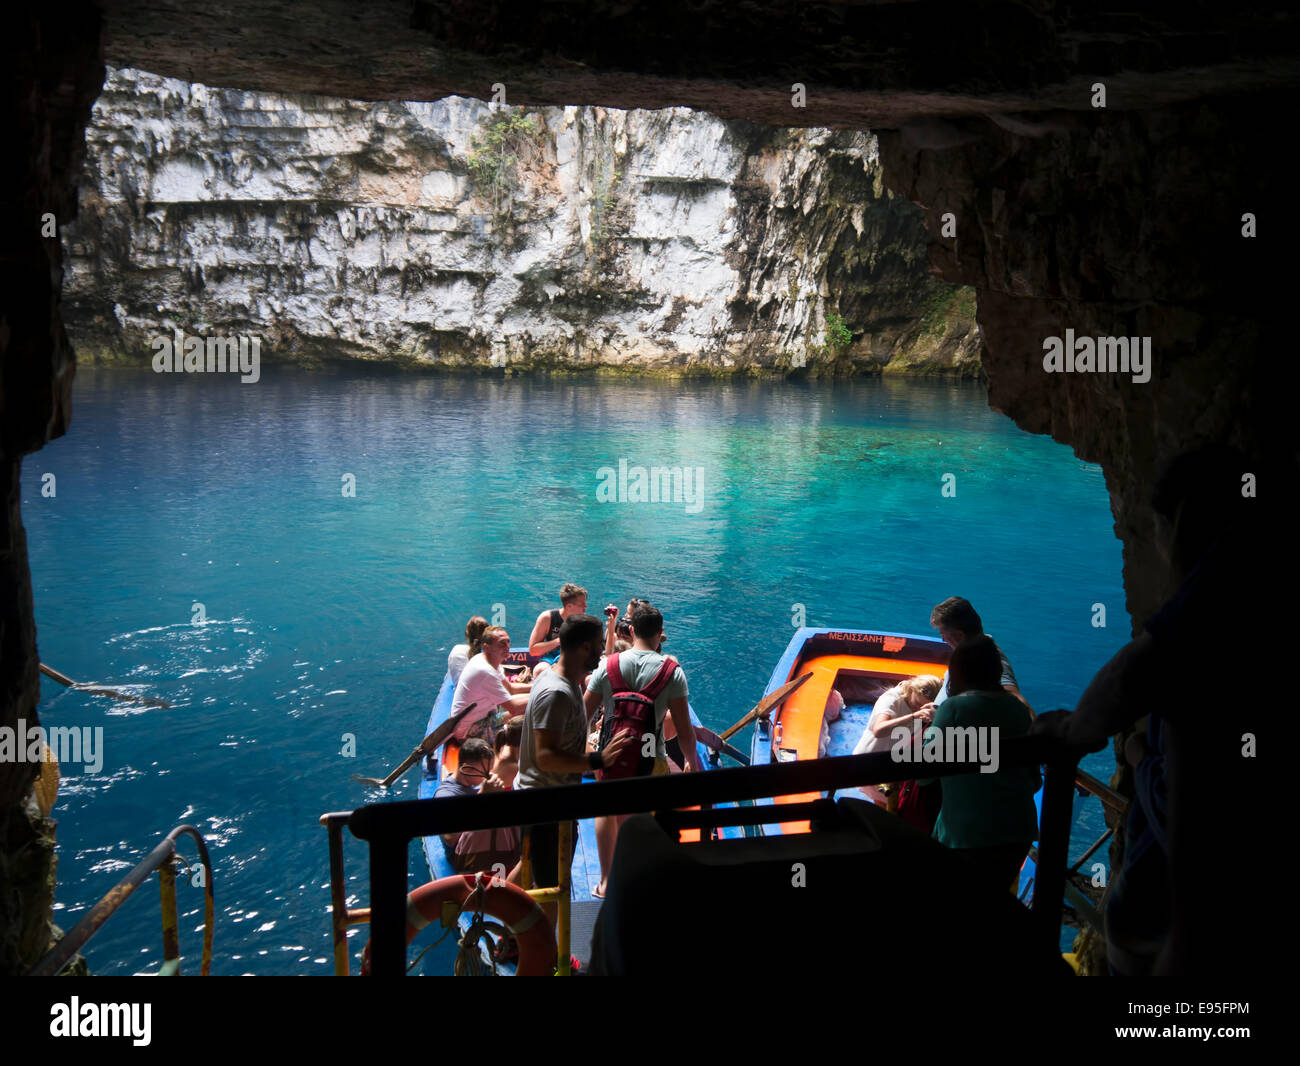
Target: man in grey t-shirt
{"points": [[956, 620], [554, 705], [553, 750]]}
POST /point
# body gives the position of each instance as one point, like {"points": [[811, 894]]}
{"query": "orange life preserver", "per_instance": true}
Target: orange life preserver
{"points": [[507, 903]]}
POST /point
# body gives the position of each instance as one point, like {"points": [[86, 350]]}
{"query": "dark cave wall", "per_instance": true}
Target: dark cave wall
{"points": [[54, 72], [1122, 224], [868, 64]]}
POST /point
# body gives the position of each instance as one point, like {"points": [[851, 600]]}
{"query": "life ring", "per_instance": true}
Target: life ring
{"points": [[507, 903]]}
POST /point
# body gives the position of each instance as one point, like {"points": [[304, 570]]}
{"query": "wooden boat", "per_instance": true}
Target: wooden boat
{"points": [[586, 858], [861, 665]]}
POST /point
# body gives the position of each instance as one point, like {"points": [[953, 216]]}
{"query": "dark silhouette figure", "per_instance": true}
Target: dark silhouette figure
{"points": [[1177, 910]]}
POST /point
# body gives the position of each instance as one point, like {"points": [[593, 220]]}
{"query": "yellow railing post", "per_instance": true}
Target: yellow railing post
{"points": [[170, 922], [526, 860], [163, 859], [338, 898], [562, 921]]}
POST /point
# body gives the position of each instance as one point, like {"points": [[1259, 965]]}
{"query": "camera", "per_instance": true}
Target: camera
{"points": [[611, 611]]}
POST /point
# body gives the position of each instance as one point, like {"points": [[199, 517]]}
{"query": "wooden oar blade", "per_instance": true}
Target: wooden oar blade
{"points": [[94, 690], [429, 744], [112, 693], [767, 703], [713, 742], [435, 739], [403, 766]]}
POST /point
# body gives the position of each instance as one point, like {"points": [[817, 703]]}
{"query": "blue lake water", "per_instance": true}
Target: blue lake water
{"points": [[325, 615]]}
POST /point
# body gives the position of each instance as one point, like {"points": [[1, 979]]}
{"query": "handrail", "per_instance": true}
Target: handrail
{"points": [[159, 859], [1108, 796], [341, 915], [560, 894], [1084, 906], [390, 827]]}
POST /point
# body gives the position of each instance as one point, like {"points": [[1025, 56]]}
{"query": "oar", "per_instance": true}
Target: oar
{"points": [[430, 743], [92, 690], [711, 740], [764, 706]]}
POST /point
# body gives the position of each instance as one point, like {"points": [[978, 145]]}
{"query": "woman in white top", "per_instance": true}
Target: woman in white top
{"points": [[460, 653], [909, 705]]}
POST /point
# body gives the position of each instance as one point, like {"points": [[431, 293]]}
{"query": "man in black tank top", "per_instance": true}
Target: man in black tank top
{"points": [[545, 639]]}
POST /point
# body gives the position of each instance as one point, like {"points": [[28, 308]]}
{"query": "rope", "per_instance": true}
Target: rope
{"points": [[469, 959], [429, 948]]}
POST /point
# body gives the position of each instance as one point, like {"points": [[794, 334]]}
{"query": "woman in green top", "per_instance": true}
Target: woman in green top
{"points": [[989, 817]]}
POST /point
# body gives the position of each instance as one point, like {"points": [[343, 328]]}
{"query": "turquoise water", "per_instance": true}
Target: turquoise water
{"points": [[325, 616]]}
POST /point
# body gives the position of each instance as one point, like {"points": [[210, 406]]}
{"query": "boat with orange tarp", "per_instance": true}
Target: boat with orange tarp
{"points": [[858, 664]]}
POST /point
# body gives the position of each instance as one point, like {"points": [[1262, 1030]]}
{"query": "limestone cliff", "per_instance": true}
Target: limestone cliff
{"points": [[455, 234]]}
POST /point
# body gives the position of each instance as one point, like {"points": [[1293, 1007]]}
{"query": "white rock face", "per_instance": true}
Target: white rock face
{"points": [[339, 229]]}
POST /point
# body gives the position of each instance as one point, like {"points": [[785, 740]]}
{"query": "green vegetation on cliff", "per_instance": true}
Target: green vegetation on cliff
{"points": [[505, 140]]}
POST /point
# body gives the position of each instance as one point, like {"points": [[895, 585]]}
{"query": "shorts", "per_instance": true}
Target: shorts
{"points": [[544, 847]]}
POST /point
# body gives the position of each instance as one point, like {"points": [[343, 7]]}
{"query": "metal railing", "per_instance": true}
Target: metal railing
{"points": [[1076, 885], [159, 859], [559, 894], [343, 917], [388, 828]]}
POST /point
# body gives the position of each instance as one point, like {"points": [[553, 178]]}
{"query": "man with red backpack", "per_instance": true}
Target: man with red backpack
{"points": [[638, 688]]}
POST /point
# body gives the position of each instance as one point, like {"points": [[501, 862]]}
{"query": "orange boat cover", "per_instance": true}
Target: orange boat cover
{"points": [[801, 715]]}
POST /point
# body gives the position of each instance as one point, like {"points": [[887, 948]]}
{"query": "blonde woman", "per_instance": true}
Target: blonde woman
{"points": [[461, 653], [909, 705]]}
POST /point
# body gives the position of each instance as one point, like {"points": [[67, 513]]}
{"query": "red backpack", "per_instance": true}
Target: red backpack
{"points": [[633, 712]]}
